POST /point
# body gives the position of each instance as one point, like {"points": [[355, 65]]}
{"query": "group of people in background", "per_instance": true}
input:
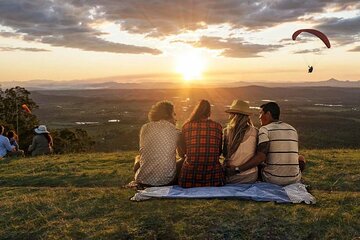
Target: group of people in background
{"points": [[42, 143], [267, 154]]}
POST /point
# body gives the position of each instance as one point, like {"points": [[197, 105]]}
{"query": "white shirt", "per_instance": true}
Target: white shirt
{"points": [[243, 154], [158, 142]]}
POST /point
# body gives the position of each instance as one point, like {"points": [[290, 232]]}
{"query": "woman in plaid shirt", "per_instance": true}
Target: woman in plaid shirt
{"points": [[202, 144]]}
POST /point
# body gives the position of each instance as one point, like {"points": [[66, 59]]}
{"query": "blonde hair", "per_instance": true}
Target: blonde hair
{"points": [[235, 131]]}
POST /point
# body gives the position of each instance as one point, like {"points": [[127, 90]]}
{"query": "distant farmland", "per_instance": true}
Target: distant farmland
{"points": [[326, 117]]}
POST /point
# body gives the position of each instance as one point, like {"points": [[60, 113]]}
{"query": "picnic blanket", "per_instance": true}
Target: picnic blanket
{"points": [[293, 193]]}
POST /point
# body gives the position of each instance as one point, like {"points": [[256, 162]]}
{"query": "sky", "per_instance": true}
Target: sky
{"points": [[178, 40]]}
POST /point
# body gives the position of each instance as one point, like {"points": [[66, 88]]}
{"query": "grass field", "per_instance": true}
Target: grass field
{"points": [[80, 196]]}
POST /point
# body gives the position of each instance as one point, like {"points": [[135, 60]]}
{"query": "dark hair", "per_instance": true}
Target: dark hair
{"points": [[273, 108], [162, 110], [11, 134], [201, 111], [48, 138], [2, 129]]}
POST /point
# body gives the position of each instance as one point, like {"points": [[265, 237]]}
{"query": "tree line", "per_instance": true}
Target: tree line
{"points": [[16, 113]]}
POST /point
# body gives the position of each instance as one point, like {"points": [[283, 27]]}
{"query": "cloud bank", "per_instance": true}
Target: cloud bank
{"points": [[72, 23]]}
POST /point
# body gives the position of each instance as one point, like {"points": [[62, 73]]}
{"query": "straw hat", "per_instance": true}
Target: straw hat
{"points": [[239, 106], [41, 129]]}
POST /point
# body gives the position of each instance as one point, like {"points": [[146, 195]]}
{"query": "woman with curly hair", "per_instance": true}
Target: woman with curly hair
{"points": [[156, 164]]}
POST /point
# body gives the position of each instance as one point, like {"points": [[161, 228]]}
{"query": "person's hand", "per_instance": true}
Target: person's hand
{"points": [[230, 171]]}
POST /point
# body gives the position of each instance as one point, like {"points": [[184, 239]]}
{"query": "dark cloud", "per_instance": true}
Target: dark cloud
{"points": [[235, 47], [343, 31], [60, 24], [90, 43], [70, 23], [10, 49]]}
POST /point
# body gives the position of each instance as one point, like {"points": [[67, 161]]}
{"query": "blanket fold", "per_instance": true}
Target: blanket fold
{"points": [[293, 193]]}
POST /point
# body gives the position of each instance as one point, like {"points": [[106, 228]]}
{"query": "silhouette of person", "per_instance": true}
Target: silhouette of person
{"points": [[310, 69]]}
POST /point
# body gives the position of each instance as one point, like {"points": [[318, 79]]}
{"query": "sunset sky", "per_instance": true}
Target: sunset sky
{"points": [[173, 40]]}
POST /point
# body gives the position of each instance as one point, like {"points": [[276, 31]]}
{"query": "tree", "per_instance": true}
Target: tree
{"points": [[70, 141], [12, 115]]}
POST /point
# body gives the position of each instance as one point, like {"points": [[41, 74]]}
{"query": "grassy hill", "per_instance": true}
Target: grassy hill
{"points": [[80, 196]]}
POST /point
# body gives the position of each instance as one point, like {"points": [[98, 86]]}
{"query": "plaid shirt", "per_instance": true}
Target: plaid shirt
{"points": [[201, 167]]}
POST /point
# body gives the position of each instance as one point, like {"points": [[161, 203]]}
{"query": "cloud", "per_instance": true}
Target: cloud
{"points": [[356, 49], [235, 47], [59, 23], [344, 31], [163, 17], [90, 43], [10, 49], [315, 51], [72, 23]]}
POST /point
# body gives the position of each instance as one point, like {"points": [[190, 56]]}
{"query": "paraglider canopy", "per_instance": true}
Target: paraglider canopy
{"points": [[315, 32]]}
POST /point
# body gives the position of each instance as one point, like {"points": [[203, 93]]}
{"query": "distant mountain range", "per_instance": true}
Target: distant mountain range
{"points": [[83, 84]]}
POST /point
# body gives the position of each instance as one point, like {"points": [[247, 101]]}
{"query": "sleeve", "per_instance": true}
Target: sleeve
{"points": [[141, 136], [263, 135], [221, 140], [8, 145], [224, 149], [181, 147]]}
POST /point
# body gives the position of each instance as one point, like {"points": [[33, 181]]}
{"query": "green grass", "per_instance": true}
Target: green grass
{"points": [[80, 196]]}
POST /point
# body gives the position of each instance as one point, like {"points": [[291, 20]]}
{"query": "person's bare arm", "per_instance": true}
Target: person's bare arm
{"points": [[257, 159], [136, 163]]}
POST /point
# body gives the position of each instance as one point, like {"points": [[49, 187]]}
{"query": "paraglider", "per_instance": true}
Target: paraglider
{"points": [[316, 33], [310, 69]]}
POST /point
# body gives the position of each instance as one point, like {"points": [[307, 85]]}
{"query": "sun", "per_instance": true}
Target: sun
{"points": [[190, 65]]}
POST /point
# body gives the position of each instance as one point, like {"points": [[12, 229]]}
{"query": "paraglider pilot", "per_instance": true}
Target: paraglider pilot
{"points": [[310, 69]]}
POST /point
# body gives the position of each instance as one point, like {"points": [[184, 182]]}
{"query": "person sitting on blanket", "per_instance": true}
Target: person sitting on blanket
{"points": [[240, 137], [156, 165], [277, 149], [202, 145]]}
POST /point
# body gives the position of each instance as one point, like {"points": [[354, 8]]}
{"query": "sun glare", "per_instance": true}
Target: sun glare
{"points": [[190, 65]]}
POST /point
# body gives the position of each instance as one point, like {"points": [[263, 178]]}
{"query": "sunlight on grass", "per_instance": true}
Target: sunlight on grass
{"points": [[79, 196]]}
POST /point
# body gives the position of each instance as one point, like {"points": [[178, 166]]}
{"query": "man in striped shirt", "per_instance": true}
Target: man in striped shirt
{"points": [[277, 150]]}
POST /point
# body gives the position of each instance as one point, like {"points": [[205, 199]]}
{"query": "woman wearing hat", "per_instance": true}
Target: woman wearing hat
{"points": [[42, 142], [240, 138]]}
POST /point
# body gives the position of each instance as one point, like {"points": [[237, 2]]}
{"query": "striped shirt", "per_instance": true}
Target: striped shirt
{"points": [[282, 161]]}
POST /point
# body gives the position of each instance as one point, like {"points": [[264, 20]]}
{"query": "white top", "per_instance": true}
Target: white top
{"points": [[282, 161], [5, 146], [243, 154], [158, 142]]}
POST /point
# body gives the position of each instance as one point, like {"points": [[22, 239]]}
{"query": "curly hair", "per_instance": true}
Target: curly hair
{"points": [[162, 110]]}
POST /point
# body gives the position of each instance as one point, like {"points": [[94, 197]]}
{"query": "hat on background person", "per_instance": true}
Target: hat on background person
{"points": [[41, 129], [239, 106]]}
